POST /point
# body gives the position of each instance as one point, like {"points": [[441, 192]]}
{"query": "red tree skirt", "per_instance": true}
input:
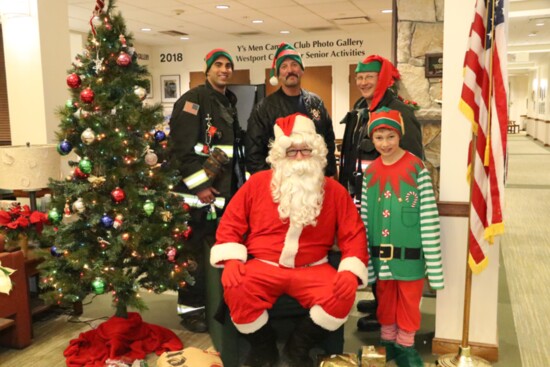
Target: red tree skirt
{"points": [[118, 337]]}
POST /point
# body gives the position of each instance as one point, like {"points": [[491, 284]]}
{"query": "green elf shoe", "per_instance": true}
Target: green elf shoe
{"points": [[407, 357], [391, 349]]}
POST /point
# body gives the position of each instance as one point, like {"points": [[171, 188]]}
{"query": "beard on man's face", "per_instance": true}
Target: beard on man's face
{"points": [[297, 186]]}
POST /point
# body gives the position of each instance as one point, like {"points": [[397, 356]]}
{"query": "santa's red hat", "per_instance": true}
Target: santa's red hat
{"points": [[295, 123]]}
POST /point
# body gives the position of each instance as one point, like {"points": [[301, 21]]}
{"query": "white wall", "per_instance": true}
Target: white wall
{"points": [[257, 56]]}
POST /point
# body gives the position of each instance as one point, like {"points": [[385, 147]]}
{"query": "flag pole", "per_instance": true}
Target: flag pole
{"points": [[464, 356]]}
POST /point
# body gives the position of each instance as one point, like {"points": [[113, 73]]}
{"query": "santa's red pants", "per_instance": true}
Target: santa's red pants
{"points": [[399, 303], [263, 283]]}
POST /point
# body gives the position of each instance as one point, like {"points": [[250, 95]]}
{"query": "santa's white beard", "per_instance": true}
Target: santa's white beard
{"points": [[298, 187]]}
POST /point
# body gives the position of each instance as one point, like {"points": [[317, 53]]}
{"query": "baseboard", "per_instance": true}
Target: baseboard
{"points": [[488, 352]]}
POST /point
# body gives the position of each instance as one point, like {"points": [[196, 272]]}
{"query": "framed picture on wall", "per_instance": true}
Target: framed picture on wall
{"points": [[150, 89], [169, 88]]}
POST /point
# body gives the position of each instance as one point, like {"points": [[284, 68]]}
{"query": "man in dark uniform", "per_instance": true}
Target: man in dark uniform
{"points": [[290, 98], [205, 142], [374, 77]]}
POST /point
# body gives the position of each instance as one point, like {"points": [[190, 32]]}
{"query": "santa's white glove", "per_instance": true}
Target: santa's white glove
{"points": [[232, 275], [345, 285]]}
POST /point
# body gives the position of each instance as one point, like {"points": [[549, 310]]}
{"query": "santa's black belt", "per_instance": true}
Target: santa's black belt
{"points": [[389, 252]]}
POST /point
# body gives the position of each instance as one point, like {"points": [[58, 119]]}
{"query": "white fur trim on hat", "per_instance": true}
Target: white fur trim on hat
{"points": [[274, 81], [300, 124]]}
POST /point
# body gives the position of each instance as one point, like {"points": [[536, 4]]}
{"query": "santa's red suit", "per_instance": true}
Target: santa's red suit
{"points": [[281, 258]]}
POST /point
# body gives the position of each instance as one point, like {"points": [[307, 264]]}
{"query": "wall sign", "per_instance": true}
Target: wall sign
{"points": [[171, 57], [434, 65]]}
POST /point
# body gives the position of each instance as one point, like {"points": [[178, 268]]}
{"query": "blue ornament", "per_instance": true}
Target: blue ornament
{"points": [[53, 251], [107, 221], [64, 147], [160, 135]]}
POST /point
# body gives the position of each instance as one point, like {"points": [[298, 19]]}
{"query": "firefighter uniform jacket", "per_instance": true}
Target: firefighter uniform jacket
{"points": [[199, 111]]}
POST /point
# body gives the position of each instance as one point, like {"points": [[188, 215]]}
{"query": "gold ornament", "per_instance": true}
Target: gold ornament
{"points": [[96, 181]]}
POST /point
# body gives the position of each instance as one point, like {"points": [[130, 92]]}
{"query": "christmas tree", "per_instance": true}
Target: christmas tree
{"points": [[115, 225]]}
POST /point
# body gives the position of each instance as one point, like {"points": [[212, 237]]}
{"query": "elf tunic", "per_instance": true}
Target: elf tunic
{"points": [[400, 213], [286, 258]]}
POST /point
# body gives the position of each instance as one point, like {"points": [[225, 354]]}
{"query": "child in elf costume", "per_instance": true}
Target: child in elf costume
{"points": [[400, 213]]}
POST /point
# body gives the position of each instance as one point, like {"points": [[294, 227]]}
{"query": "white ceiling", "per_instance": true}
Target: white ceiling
{"points": [[202, 22]]}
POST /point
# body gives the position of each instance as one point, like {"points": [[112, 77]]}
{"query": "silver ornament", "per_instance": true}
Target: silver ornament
{"points": [[140, 92], [88, 136], [78, 206], [151, 158]]}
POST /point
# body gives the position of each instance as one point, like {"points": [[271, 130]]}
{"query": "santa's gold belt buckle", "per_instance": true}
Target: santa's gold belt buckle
{"points": [[386, 252]]}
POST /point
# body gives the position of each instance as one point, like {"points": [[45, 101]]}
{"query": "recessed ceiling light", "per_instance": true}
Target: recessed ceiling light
{"points": [[222, 6], [184, 38], [146, 29], [539, 24], [257, 21], [386, 11], [532, 34], [284, 32]]}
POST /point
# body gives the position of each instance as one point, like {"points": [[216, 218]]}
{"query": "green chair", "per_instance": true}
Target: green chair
{"points": [[286, 312]]}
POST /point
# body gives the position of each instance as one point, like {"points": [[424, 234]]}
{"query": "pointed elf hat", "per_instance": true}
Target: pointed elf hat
{"points": [[387, 75], [215, 54], [283, 51], [387, 119], [295, 123]]}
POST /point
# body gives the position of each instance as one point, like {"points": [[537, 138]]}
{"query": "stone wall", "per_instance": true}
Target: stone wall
{"points": [[420, 32]]}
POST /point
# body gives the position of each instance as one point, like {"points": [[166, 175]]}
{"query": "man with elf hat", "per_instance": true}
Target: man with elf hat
{"points": [[287, 69], [274, 239], [399, 210], [375, 77], [204, 144]]}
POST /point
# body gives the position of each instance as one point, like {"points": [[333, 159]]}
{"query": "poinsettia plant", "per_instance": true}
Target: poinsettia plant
{"points": [[412, 104], [20, 219]]}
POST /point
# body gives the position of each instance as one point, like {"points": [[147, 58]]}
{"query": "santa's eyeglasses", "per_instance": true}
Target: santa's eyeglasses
{"points": [[294, 152]]}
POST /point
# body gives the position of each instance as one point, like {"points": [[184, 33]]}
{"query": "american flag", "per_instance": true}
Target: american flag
{"points": [[484, 103]]}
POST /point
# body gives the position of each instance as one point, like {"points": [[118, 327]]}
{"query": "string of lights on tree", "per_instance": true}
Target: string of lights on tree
{"points": [[115, 226]]}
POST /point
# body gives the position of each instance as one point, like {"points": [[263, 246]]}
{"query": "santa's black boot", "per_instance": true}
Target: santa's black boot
{"points": [[263, 347], [306, 335]]}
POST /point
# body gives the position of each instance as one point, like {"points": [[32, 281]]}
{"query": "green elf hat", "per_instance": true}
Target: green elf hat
{"points": [[387, 119], [369, 65], [216, 54], [387, 75], [283, 51]]}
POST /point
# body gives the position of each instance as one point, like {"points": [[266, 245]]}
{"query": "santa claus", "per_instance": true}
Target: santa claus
{"points": [[274, 238]]}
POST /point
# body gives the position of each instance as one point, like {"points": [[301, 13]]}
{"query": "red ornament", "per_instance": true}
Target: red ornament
{"points": [[73, 80], [79, 174], [123, 59], [186, 207], [118, 195], [187, 233], [87, 95]]}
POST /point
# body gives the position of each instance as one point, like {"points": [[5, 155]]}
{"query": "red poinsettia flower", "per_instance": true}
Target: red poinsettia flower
{"points": [[21, 219]]}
